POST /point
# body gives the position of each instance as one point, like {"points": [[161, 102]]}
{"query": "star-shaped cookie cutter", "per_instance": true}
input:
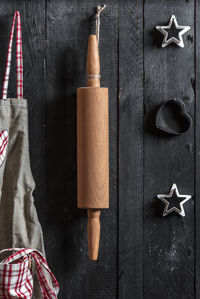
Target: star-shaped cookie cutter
{"points": [[163, 30], [164, 197]]}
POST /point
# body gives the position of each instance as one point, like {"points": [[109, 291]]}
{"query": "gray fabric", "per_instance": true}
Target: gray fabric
{"points": [[19, 225]]}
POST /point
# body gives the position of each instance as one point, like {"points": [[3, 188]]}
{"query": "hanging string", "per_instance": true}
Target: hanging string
{"points": [[100, 8]]}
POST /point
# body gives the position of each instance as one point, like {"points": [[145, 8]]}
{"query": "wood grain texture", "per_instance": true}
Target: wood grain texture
{"points": [[168, 241], [197, 150], [92, 148], [130, 150]]}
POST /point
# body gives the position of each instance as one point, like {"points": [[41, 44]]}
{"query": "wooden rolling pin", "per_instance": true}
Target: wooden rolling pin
{"points": [[93, 147]]}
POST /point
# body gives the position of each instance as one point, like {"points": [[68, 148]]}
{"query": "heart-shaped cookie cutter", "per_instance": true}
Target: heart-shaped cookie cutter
{"points": [[172, 117]]}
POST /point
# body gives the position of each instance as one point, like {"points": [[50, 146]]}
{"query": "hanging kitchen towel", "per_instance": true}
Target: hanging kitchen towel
{"points": [[19, 224], [16, 280]]}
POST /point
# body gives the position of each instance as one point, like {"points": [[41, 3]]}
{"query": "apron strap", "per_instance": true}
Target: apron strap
{"points": [[19, 59]]}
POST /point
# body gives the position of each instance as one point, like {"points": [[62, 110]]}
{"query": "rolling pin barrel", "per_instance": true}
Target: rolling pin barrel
{"points": [[92, 129]]}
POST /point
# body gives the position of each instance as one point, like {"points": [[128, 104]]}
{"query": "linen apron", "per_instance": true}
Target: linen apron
{"points": [[19, 224]]}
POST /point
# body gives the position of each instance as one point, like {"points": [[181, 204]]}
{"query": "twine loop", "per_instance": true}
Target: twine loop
{"points": [[99, 9]]}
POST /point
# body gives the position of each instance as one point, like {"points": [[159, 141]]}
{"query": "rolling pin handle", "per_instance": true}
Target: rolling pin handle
{"points": [[93, 230], [93, 64]]}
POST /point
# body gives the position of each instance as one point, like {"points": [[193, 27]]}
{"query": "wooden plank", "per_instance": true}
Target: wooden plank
{"points": [[131, 150], [169, 73], [197, 151], [33, 25], [66, 238]]}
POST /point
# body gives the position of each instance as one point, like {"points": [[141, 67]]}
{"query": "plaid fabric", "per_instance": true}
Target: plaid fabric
{"points": [[19, 60], [3, 145], [16, 280]]}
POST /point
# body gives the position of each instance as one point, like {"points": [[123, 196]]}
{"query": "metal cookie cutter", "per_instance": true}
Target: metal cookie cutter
{"points": [[170, 206], [172, 117]]}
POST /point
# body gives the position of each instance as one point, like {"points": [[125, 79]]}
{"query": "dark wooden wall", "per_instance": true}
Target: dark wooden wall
{"points": [[142, 254]]}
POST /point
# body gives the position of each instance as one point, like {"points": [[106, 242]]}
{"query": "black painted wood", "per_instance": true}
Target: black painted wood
{"points": [[131, 150], [142, 254], [65, 230], [197, 150], [169, 73]]}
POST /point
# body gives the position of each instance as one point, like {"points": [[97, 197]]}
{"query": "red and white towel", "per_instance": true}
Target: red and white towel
{"points": [[16, 280]]}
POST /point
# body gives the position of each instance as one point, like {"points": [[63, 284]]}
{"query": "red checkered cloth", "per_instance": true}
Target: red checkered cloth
{"points": [[16, 280], [3, 145], [19, 59]]}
